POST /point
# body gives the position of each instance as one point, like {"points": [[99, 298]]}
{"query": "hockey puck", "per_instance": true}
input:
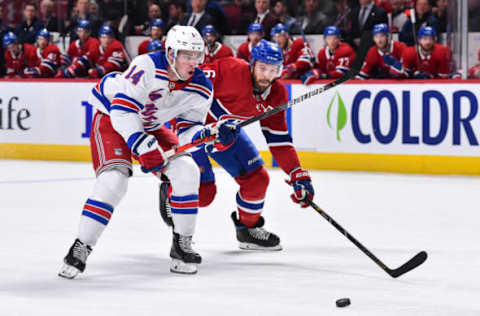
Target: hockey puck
{"points": [[343, 302]]}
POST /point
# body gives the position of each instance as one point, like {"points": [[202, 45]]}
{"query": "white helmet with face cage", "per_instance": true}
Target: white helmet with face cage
{"points": [[183, 38]]}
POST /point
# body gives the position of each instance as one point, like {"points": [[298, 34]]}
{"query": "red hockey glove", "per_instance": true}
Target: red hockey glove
{"points": [[302, 186], [310, 76], [33, 72], [148, 152]]}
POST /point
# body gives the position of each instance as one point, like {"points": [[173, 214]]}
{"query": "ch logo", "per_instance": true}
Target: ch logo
{"points": [[262, 108]]}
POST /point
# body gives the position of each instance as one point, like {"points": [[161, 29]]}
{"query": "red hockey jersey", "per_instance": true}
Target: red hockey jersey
{"points": [[244, 51], [437, 64], [299, 57], [375, 67], [112, 58], [234, 100], [83, 55], [221, 51], [15, 65], [337, 64], [48, 60]]}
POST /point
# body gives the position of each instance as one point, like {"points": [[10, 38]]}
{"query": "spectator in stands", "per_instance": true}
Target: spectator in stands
{"points": [[176, 10], [112, 55], [342, 12], [81, 13], [334, 60], [280, 9], [4, 29], [314, 21], [363, 18], [474, 72], [255, 34], [47, 58], [158, 29], [297, 54], [18, 55], [383, 60], [440, 12], [81, 54], [239, 15], [399, 17], [48, 18], [28, 29], [198, 18], [154, 12], [213, 48], [219, 19], [423, 17], [433, 61], [266, 18]]}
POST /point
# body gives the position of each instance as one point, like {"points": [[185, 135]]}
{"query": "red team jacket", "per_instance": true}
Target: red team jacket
{"points": [[48, 60], [438, 64], [244, 50], [113, 58], [221, 52], [339, 63], [232, 100], [299, 55], [83, 55], [374, 65], [25, 59]]}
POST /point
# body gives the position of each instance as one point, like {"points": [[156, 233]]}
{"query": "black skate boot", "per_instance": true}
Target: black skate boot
{"points": [[164, 204], [184, 258], [75, 261], [256, 237]]}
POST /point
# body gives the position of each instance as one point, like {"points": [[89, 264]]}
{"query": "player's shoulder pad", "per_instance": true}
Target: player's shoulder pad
{"points": [[441, 50], [116, 44], [199, 78], [159, 59], [278, 93]]}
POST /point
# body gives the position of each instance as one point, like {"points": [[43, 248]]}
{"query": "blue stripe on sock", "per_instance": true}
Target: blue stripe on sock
{"points": [[184, 210], [95, 217], [184, 198], [106, 206]]}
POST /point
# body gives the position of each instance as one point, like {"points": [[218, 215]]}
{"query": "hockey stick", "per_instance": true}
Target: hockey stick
{"points": [[362, 50], [414, 31], [411, 264]]}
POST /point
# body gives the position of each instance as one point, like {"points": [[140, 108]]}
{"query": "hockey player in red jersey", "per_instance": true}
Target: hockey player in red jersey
{"points": [[474, 72], [383, 60], [112, 54], [258, 92], [334, 60], [81, 54], [157, 28], [255, 34], [17, 56], [433, 61], [297, 54], [213, 48], [48, 57]]}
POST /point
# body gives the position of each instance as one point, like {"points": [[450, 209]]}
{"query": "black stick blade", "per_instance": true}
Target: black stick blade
{"points": [[409, 265]]}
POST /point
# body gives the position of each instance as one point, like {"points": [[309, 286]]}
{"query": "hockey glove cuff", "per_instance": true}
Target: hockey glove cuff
{"points": [[302, 186]]}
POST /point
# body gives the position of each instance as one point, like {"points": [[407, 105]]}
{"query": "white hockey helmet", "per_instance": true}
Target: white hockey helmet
{"points": [[184, 38]]}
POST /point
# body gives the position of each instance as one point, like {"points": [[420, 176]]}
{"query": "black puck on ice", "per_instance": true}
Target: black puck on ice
{"points": [[343, 302]]}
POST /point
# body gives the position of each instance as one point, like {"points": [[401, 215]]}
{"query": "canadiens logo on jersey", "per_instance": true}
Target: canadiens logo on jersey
{"points": [[262, 108]]}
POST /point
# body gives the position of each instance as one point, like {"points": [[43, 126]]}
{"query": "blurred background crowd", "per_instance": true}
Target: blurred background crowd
{"points": [[86, 38]]}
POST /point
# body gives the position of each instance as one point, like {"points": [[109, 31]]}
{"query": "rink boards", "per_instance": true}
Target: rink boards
{"points": [[407, 126]]}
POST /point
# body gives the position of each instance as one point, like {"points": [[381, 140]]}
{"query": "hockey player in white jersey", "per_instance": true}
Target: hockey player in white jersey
{"points": [[131, 108]]}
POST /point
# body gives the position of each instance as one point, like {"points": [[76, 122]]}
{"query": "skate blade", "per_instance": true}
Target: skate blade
{"points": [[249, 246], [178, 266], [68, 272]]}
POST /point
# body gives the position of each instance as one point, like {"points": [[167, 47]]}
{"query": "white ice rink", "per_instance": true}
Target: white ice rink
{"points": [[395, 216]]}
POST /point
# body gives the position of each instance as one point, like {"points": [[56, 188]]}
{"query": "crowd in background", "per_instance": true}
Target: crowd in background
{"points": [[97, 28]]}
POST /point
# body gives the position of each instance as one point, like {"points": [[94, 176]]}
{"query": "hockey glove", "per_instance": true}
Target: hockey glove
{"points": [[33, 72], [392, 62], [288, 71], [96, 72], [302, 186], [310, 76], [148, 152], [422, 75], [226, 132]]}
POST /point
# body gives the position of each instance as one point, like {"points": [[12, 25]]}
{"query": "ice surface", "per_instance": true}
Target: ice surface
{"points": [[395, 216]]}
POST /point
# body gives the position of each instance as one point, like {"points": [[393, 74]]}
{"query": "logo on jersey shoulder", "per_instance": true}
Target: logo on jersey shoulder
{"points": [[209, 73], [155, 94], [262, 108], [341, 117]]}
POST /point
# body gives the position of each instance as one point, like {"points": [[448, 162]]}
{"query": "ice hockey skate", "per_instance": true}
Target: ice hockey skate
{"points": [[75, 261], [184, 258], [256, 237]]}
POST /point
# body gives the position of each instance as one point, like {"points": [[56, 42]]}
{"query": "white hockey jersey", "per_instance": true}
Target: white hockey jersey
{"points": [[142, 98]]}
